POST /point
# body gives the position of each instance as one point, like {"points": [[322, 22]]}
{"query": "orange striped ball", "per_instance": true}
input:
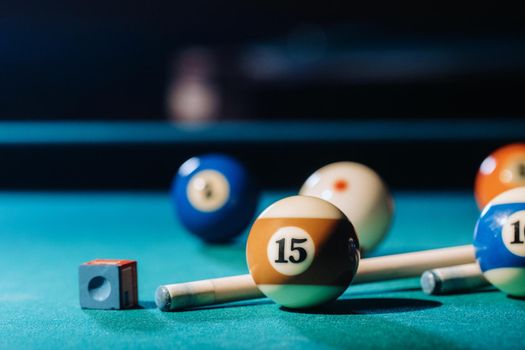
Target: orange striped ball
{"points": [[501, 171], [302, 252]]}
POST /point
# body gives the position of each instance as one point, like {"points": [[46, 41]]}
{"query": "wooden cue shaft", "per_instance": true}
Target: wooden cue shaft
{"points": [[179, 296], [451, 279], [412, 264]]}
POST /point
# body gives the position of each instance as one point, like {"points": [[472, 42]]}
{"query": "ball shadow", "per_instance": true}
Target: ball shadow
{"points": [[366, 306], [471, 291], [353, 293]]}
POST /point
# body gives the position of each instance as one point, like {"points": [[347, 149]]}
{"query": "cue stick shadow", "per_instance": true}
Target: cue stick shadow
{"points": [[226, 306], [514, 297], [147, 305], [369, 306]]}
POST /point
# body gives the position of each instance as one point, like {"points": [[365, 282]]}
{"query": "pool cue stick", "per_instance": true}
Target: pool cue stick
{"points": [[411, 264], [453, 279], [179, 296]]}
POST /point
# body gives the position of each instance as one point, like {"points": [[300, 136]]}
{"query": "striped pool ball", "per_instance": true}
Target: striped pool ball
{"points": [[214, 196], [360, 193], [503, 170], [302, 252], [499, 240]]}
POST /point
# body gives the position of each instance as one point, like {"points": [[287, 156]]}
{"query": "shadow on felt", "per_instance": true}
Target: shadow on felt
{"points": [[227, 305], [146, 305], [365, 306], [353, 293]]}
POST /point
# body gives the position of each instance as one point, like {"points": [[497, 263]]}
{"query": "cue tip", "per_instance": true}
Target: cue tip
{"points": [[163, 298], [430, 282]]}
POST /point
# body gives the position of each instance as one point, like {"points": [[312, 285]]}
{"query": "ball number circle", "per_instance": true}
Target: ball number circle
{"points": [[208, 190], [290, 250], [513, 233]]}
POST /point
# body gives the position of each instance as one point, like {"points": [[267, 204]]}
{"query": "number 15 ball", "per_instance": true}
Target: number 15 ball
{"points": [[302, 252], [214, 196]]}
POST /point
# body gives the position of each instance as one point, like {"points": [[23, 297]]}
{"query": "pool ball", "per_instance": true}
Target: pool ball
{"points": [[302, 252], [499, 241], [360, 193], [214, 196], [503, 170]]}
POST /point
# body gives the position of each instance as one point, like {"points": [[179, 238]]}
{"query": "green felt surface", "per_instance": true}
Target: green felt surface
{"points": [[45, 236]]}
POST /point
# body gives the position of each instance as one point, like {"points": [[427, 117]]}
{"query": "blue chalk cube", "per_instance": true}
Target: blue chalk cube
{"points": [[108, 284]]}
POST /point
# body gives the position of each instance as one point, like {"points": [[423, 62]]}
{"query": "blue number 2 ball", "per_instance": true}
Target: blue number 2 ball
{"points": [[214, 197], [499, 240]]}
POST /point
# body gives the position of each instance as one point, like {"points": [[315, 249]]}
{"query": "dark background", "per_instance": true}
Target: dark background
{"points": [[97, 60], [452, 74]]}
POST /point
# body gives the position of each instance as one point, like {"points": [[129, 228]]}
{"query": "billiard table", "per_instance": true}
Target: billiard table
{"points": [[45, 237], [47, 232]]}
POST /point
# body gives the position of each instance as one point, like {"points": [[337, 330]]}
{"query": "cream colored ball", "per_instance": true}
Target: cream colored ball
{"points": [[360, 193]]}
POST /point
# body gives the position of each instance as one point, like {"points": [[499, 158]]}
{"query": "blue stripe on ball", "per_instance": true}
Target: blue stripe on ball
{"points": [[491, 251]]}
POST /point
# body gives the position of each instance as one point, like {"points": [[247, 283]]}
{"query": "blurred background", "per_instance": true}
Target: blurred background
{"points": [[412, 89], [204, 60]]}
